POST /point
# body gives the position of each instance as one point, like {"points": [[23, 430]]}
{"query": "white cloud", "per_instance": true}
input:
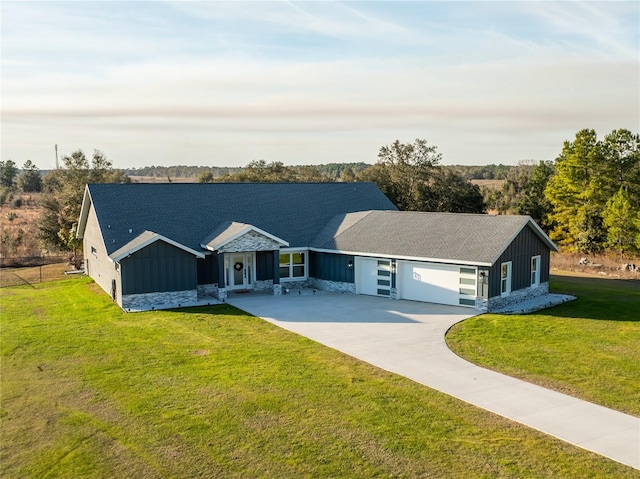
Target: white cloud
{"points": [[187, 86]]}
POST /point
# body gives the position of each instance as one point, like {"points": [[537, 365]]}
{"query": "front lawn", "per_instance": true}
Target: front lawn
{"points": [[89, 391], [588, 348]]}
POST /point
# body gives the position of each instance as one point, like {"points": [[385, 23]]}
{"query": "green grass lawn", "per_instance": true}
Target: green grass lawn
{"points": [[89, 391], [588, 348]]}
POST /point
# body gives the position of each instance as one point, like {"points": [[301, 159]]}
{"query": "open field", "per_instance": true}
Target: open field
{"points": [[588, 348], [491, 184], [18, 227], [31, 275], [89, 391], [604, 265], [159, 179]]}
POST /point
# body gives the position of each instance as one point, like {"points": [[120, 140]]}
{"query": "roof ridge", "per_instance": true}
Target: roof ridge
{"points": [[449, 213]]}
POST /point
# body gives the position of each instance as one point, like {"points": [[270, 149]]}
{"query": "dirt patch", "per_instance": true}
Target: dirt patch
{"points": [[597, 266], [200, 352]]}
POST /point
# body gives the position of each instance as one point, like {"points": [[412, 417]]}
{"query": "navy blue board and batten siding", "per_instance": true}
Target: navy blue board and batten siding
{"points": [[264, 265], [158, 267], [208, 269], [520, 251], [332, 267]]}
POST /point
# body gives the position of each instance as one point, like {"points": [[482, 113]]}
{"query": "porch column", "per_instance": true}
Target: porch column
{"points": [[222, 285], [277, 287]]}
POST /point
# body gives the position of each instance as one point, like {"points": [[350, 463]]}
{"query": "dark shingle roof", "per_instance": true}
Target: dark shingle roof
{"points": [[188, 213], [439, 236]]}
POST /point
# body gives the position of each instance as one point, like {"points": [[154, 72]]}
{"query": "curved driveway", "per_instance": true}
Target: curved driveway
{"points": [[407, 338]]}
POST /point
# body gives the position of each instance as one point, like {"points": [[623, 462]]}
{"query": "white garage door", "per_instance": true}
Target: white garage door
{"points": [[373, 276], [437, 283]]}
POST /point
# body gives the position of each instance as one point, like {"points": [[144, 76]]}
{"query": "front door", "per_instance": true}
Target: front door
{"points": [[240, 271]]}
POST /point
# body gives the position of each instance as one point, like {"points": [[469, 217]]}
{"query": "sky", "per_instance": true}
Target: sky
{"points": [[226, 83]]}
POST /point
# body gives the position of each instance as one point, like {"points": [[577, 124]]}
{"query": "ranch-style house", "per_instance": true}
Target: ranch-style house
{"points": [[154, 246]]}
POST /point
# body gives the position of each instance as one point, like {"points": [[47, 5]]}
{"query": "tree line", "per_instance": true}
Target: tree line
{"points": [[587, 200]]}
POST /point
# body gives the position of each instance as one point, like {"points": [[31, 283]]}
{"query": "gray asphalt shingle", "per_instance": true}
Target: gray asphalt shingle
{"points": [[445, 236], [189, 212]]}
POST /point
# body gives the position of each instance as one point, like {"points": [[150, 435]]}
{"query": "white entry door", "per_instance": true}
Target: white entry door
{"points": [[240, 271]]}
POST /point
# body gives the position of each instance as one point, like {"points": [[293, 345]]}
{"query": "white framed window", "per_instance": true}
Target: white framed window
{"points": [[293, 265], [505, 279], [535, 271], [94, 252], [467, 283]]}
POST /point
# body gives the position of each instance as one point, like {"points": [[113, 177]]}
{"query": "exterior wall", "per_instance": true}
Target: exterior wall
{"points": [[98, 266], [299, 284], [263, 285], [264, 266], [515, 297], [334, 286], [250, 241], [332, 267], [159, 267], [207, 269], [208, 290], [162, 300], [519, 252], [482, 282]]}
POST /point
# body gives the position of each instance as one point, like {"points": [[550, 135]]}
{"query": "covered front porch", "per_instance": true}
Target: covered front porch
{"points": [[240, 257]]}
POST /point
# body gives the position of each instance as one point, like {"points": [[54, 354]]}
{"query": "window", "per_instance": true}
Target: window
{"points": [[94, 252], [505, 279], [293, 265], [384, 277], [535, 271], [467, 286]]}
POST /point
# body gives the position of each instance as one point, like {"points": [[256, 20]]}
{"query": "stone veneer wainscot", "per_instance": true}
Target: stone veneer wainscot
{"points": [[147, 301], [518, 296]]}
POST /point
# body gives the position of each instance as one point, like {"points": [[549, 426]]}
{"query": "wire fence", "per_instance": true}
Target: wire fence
{"points": [[30, 270]]}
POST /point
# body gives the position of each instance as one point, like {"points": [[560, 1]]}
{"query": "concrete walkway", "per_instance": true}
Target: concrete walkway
{"points": [[407, 338]]}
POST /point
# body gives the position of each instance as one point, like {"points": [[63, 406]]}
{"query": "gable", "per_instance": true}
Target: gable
{"points": [[145, 239], [158, 266], [526, 243], [236, 237]]}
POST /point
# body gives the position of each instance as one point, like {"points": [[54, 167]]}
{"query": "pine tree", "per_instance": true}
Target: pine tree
{"points": [[533, 201], [588, 174], [30, 180], [570, 190], [619, 219]]}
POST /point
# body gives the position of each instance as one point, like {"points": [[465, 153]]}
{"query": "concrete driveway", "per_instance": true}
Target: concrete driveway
{"points": [[407, 338]]}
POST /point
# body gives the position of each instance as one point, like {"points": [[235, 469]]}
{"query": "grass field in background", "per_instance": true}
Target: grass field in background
{"points": [[89, 391], [587, 348], [31, 275]]}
